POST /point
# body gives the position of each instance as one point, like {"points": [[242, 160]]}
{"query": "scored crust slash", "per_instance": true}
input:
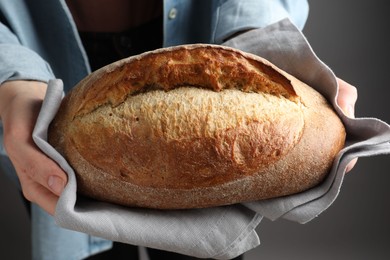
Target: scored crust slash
{"points": [[195, 126]]}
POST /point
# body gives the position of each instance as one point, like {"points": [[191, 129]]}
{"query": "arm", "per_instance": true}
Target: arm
{"points": [[22, 88]]}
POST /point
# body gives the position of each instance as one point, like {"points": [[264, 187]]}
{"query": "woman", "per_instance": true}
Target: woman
{"points": [[41, 40]]}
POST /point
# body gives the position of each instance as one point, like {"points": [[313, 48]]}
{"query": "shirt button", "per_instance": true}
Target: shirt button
{"points": [[172, 13]]}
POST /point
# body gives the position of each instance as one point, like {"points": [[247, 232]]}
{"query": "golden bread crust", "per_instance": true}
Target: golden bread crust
{"points": [[195, 126]]}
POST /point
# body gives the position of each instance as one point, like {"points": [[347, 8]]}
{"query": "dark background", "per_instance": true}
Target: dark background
{"points": [[350, 37]]}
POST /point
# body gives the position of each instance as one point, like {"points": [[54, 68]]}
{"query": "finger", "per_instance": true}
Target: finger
{"points": [[38, 194], [350, 165], [42, 180], [347, 97], [30, 161], [36, 173]]}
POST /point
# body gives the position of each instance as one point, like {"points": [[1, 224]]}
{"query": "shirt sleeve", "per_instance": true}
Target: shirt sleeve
{"points": [[18, 62], [234, 16]]}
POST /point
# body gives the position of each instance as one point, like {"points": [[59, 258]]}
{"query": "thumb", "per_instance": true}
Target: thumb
{"points": [[347, 98]]}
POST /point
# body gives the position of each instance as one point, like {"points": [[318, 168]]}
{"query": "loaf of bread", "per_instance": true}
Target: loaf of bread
{"points": [[195, 126]]}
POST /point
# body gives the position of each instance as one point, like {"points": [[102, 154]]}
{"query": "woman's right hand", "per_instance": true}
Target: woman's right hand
{"points": [[42, 180]]}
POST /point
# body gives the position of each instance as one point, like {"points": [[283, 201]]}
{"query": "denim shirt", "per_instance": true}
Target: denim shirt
{"points": [[39, 41]]}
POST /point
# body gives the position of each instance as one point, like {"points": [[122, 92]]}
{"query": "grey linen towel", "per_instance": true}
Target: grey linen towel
{"points": [[228, 231]]}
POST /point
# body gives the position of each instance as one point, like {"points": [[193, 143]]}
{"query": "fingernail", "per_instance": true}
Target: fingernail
{"points": [[56, 184]]}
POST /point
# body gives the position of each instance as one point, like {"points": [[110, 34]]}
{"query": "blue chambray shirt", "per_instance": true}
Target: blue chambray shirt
{"points": [[39, 41]]}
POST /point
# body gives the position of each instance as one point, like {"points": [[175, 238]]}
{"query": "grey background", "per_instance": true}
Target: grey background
{"points": [[351, 37]]}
